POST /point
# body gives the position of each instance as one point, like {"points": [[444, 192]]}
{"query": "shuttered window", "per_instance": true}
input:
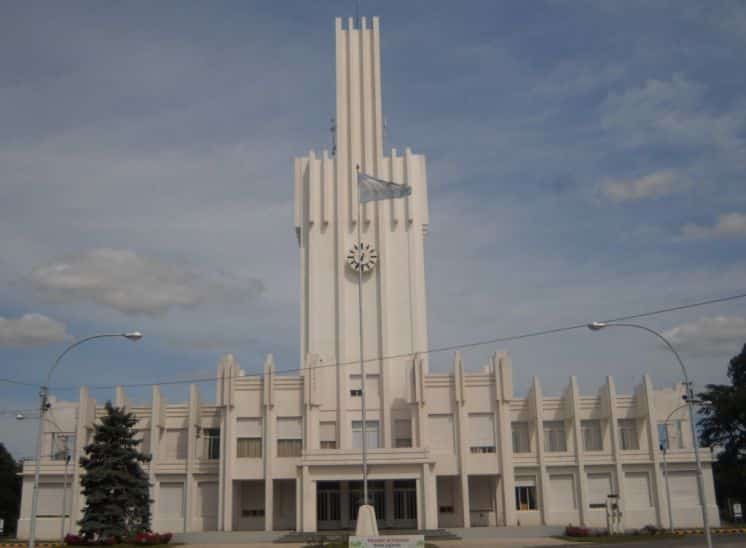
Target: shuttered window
{"points": [[482, 432], [525, 493], [50, 500], [562, 492], [249, 428], [521, 440], [171, 500], [403, 433], [684, 492], [328, 435], [175, 441], [249, 448], [289, 436], [637, 490], [441, 433], [599, 487]]}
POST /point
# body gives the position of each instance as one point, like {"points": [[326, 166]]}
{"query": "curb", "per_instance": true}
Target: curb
{"points": [[732, 531]]}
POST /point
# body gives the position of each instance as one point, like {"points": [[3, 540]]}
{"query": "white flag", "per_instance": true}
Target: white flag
{"points": [[371, 189]]}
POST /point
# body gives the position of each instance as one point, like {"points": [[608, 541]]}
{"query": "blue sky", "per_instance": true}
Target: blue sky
{"points": [[585, 159]]}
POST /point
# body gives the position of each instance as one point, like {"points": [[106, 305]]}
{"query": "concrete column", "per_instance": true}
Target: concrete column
{"points": [[309, 502], [193, 426], [430, 493], [77, 502], [155, 447], [462, 444], [536, 398], [616, 449], [421, 504], [504, 395], [344, 501], [299, 499], [573, 394], [651, 426]]}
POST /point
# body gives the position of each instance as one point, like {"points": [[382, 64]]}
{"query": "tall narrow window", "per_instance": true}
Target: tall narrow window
{"points": [[289, 437], [402, 433], [175, 440], [628, 439], [482, 432], [371, 434], [663, 442], [62, 445], [521, 440], [525, 493], [670, 435], [592, 438], [328, 435], [441, 432], [211, 447], [555, 440]]}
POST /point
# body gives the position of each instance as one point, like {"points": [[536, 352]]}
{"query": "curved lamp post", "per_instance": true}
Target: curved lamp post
{"points": [[597, 326], [44, 405]]}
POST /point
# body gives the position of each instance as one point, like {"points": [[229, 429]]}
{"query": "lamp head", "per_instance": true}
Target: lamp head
{"points": [[133, 336], [596, 326], [20, 416]]}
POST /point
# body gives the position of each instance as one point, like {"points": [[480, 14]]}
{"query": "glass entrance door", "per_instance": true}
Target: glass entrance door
{"points": [[375, 493], [328, 505], [405, 503]]}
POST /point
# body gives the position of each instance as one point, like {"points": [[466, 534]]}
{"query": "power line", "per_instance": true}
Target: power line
{"points": [[436, 350]]}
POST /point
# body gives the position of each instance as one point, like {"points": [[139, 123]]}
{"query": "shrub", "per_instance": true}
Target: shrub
{"points": [[574, 531], [75, 540], [651, 530], [150, 539]]}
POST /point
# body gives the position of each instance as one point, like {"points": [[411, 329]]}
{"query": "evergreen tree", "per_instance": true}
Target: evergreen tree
{"points": [[10, 490], [724, 425], [115, 486]]}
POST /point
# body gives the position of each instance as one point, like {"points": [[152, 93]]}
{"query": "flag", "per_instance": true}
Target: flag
{"points": [[371, 189]]}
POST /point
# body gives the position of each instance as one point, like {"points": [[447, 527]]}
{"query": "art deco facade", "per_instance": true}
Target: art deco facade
{"points": [[457, 449]]}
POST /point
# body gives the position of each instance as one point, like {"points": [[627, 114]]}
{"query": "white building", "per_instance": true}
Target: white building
{"points": [[281, 452]]}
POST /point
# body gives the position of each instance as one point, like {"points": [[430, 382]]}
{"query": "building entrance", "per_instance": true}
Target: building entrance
{"points": [[328, 505]]}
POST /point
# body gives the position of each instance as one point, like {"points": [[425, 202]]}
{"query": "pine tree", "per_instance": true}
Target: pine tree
{"points": [[115, 486]]}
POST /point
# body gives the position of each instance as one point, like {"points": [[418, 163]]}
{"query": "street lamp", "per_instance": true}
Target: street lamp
{"points": [[68, 457], [44, 405], [664, 449], [597, 326]]}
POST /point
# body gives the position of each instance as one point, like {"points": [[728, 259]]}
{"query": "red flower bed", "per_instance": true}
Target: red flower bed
{"points": [[574, 531], [142, 539]]}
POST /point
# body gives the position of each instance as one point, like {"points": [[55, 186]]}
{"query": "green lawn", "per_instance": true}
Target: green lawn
{"points": [[607, 539]]}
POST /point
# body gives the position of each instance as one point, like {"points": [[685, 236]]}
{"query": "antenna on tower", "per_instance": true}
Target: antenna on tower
{"points": [[333, 130]]}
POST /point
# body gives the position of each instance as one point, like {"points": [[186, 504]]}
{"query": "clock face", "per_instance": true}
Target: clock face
{"points": [[362, 257]]}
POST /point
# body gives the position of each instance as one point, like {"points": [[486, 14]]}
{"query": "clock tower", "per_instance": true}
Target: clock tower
{"points": [[390, 251]]}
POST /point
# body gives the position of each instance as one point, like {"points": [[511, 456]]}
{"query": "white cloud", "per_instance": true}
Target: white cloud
{"points": [[660, 183], [728, 225], [707, 336], [31, 330], [134, 284]]}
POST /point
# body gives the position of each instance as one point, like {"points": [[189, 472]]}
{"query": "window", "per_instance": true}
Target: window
{"points": [[670, 435], [249, 448], [562, 492], [249, 438], [555, 440], [482, 432], [371, 385], [441, 433], [62, 445], [211, 442], [402, 433], [175, 440], [328, 435], [521, 441], [599, 488], [592, 439], [525, 493], [289, 437], [371, 434], [628, 439]]}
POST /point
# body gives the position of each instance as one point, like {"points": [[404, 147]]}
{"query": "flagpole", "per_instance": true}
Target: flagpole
{"points": [[360, 323]]}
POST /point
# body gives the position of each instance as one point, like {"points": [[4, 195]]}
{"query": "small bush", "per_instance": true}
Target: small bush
{"points": [[574, 531], [150, 539], [75, 540], [651, 530]]}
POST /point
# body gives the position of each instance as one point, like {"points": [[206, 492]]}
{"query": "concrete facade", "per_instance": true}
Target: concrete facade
{"points": [[459, 449]]}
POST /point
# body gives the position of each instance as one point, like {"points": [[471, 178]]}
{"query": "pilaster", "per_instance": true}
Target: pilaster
{"points": [[268, 442], [504, 394], [536, 396], [460, 416], [573, 394], [651, 426]]}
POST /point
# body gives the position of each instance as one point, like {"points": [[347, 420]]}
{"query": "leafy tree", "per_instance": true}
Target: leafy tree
{"points": [[724, 424], [10, 490], [115, 486]]}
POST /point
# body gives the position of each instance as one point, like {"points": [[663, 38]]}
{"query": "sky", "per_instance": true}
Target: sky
{"points": [[586, 160]]}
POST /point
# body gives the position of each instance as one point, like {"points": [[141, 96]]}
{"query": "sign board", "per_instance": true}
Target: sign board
{"points": [[392, 541]]}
